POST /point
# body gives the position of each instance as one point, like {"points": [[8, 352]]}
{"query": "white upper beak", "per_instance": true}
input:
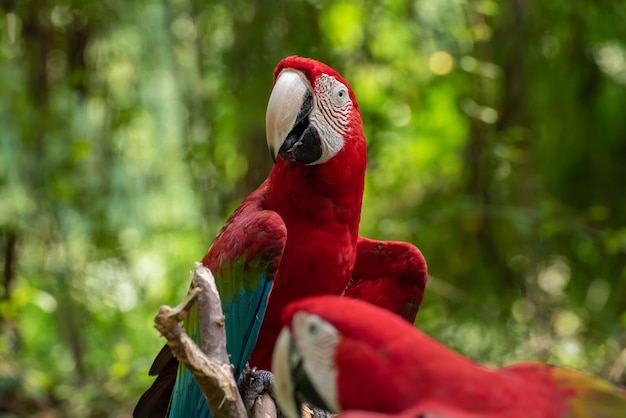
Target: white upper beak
{"points": [[282, 109]]}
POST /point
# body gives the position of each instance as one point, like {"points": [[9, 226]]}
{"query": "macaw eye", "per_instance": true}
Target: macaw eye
{"points": [[340, 95]]}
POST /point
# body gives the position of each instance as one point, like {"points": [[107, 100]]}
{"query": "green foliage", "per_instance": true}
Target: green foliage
{"points": [[130, 130]]}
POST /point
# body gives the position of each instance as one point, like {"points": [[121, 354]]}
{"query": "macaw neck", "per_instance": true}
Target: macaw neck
{"points": [[325, 193]]}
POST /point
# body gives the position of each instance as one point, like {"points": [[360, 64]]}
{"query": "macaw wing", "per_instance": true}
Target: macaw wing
{"points": [[389, 274], [244, 259]]}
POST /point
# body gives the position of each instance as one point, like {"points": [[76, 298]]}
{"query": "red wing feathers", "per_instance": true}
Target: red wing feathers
{"points": [[389, 274]]}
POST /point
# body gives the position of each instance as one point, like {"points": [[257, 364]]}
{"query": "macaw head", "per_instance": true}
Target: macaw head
{"points": [[339, 354], [312, 114]]}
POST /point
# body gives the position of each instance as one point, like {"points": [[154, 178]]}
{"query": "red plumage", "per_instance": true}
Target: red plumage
{"points": [[258, 234], [389, 274]]}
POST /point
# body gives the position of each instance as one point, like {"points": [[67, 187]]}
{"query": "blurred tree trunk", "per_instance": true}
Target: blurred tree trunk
{"points": [[8, 237], [42, 41]]}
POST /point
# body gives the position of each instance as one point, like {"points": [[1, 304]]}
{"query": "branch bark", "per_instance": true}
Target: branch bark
{"points": [[264, 407]]}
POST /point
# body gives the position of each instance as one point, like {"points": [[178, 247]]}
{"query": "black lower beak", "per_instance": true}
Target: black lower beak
{"points": [[304, 391], [303, 144]]}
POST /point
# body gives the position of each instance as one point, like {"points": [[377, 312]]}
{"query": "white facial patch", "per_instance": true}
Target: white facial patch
{"points": [[331, 114], [316, 341]]}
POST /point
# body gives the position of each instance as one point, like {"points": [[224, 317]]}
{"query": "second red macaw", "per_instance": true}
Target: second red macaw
{"points": [[297, 234], [347, 356]]}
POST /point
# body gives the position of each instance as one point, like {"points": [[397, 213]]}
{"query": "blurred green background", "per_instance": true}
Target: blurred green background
{"points": [[130, 130]]}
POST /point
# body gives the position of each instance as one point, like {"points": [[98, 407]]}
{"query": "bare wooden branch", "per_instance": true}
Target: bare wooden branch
{"points": [[210, 315], [212, 371], [264, 407]]}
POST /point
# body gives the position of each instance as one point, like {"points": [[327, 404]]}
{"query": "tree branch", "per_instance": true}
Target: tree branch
{"points": [[264, 407]]}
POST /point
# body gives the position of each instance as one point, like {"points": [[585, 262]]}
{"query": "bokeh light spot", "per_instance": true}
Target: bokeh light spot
{"points": [[440, 63]]}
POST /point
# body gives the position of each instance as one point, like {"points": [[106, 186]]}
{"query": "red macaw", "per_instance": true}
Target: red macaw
{"points": [[342, 355], [297, 234]]}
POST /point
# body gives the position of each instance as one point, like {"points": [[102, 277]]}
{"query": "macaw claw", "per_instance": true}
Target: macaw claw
{"points": [[253, 383]]}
